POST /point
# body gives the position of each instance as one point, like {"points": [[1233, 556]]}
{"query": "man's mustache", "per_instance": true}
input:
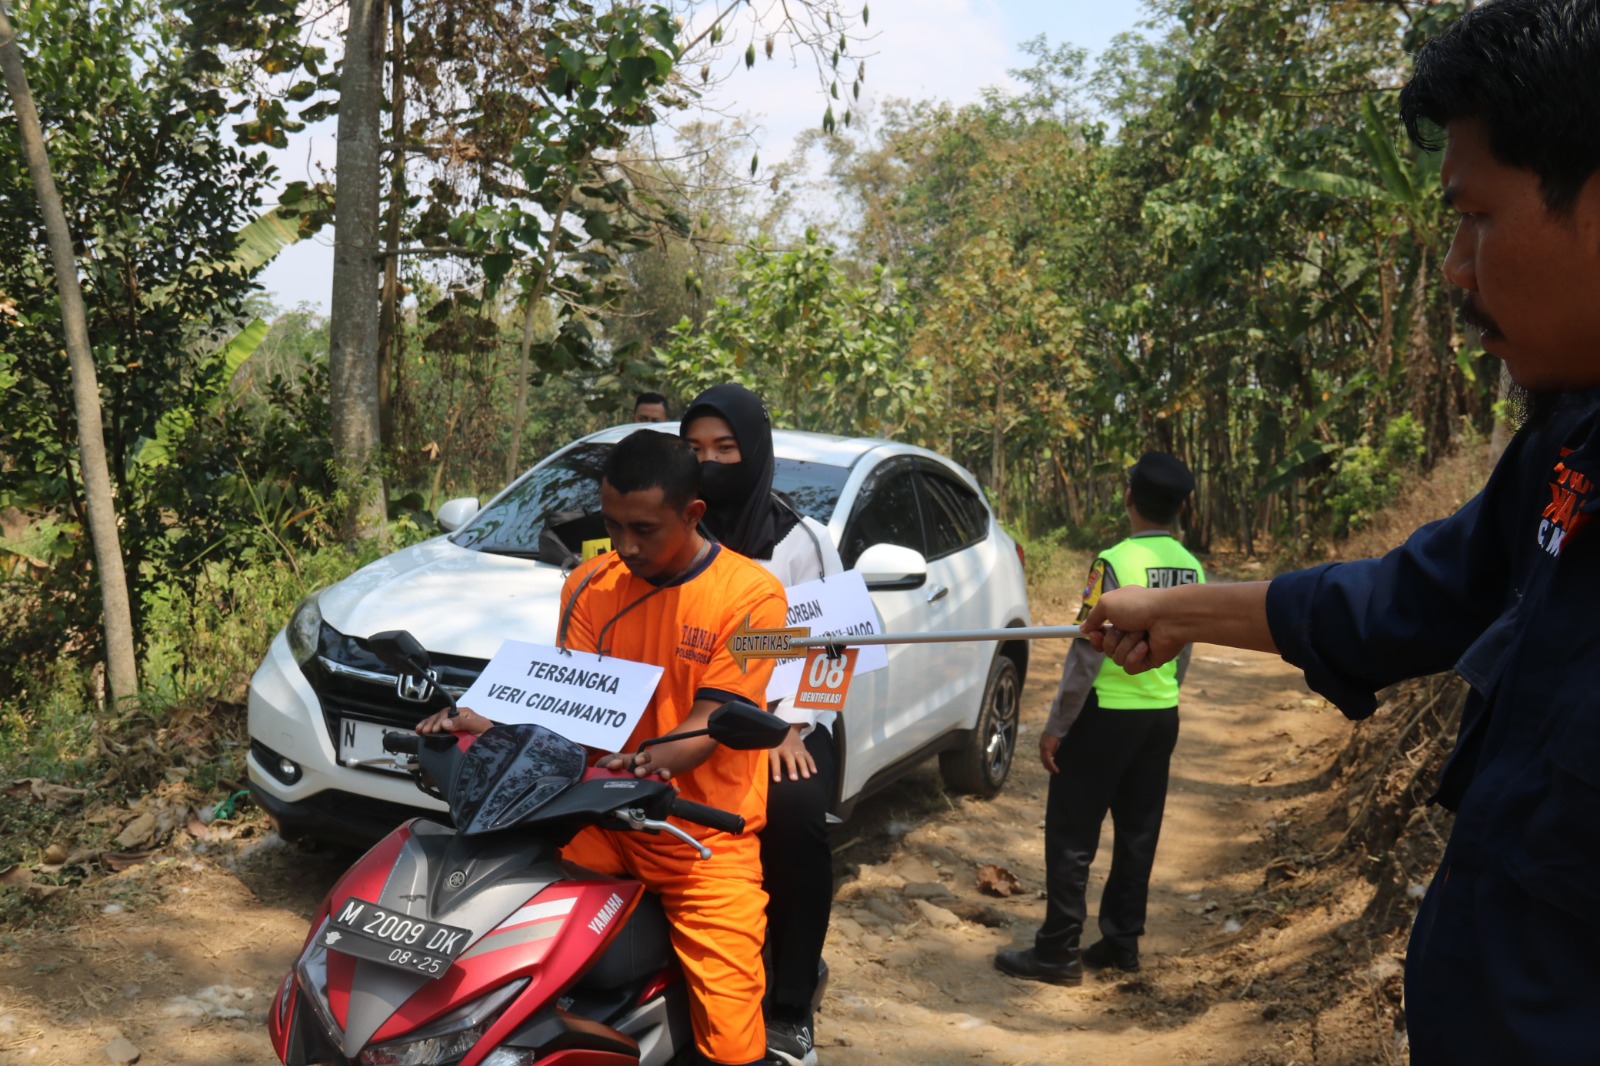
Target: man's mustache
{"points": [[1470, 314]]}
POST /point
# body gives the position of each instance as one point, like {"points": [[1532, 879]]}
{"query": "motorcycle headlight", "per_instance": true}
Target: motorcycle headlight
{"points": [[312, 973], [448, 1038], [304, 629], [509, 1056]]}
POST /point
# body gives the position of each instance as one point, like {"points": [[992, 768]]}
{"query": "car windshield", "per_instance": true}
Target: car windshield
{"points": [[568, 486]]}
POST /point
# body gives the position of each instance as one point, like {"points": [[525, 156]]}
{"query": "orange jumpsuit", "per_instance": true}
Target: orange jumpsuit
{"points": [[717, 907]]}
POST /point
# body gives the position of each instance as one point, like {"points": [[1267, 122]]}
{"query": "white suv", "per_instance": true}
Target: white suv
{"points": [[911, 521]]}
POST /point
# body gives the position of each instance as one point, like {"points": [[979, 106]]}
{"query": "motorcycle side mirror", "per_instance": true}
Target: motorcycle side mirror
{"points": [[400, 650], [745, 727], [736, 724]]}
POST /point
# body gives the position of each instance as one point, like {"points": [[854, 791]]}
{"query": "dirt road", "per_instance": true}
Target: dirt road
{"points": [[180, 956]]}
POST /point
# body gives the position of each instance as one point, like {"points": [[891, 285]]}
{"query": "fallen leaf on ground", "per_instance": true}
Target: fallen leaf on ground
{"points": [[122, 860], [21, 877], [137, 831], [998, 881], [42, 791]]}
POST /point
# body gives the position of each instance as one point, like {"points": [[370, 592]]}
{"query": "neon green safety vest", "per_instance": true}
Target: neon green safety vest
{"points": [[1154, 561]]}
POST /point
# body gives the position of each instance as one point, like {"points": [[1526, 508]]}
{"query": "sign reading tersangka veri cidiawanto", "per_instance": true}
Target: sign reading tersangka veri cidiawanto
{"points": [[594, 700]]}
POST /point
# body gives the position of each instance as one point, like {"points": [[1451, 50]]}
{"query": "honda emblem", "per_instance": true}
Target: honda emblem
{"points": [[413, 687]]}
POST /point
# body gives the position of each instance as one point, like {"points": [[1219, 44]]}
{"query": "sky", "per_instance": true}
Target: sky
{"points": [[922, 49]]}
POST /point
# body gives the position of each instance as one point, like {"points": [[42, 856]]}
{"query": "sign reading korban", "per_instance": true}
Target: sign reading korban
{"points": [[838, 605]]}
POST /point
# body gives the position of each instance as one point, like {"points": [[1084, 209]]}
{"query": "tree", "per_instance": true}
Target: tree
{"points": [[1009, 367], [121, 668], [1242, 265], [136, 103], [354, 307], [825, 353], [509, 164]]}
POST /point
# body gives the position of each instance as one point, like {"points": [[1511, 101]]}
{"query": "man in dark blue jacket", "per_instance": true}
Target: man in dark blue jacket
{"points": [[1504, 960]]}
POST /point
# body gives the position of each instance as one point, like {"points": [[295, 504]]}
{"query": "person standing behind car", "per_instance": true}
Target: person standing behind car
{"points": [[730, 431], [650, 407], [1107, 744]]}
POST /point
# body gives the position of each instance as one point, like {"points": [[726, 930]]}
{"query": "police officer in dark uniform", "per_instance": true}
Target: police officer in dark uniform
{"points": [[1107, 745], [1504, 960]]}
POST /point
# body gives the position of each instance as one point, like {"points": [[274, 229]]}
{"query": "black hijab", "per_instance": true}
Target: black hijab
{"points": [[741, 511]]}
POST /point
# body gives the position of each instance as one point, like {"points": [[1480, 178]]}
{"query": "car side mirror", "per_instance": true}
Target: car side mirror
{"points": [[745, 727], [454, 514], [892, 566], [400, 650]]}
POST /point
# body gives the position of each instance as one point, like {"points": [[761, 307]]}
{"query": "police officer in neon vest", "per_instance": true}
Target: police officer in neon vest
{"points": [[1107, 745]]}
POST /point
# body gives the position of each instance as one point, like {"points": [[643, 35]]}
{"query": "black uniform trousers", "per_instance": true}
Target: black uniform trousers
{"points": [[1495, 975], [1116, 761], [797, 872]]}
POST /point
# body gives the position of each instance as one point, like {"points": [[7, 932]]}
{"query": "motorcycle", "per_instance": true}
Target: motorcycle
{"points": [[474, 944]]}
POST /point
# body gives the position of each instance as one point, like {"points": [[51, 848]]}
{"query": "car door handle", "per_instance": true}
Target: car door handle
{"points": [[937, 592]]}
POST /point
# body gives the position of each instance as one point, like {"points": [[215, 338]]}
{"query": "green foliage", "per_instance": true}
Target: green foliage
{"points": [[549, 208], [456, 390], [1244, 274], [1368, 477], [825, 353], [208, 633], [137, 111]]}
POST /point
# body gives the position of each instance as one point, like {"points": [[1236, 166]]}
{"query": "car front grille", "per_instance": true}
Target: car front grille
{"points": [[350, 682]]}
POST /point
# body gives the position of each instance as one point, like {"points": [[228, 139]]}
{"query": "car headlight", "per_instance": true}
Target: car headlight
{"points": [[304, 629], [448, 1038]]}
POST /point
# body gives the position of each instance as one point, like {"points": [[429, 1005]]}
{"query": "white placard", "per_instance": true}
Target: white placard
{"points": [[592, 700], [838, 604]]}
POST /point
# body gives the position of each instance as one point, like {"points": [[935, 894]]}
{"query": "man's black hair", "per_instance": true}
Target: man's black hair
{"points": [[1529, 71], [1157, 504], [1160, 483], [651, 397], [648, 459]]}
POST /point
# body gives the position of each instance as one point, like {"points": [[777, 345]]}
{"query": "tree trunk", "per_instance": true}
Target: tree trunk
{"points": [[536, 293], [353, 355], [389, 315], [121, 665], [520, 412], [997, 456]]}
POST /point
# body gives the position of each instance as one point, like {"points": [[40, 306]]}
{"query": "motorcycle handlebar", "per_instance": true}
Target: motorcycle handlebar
{"points": [[710, 817], [402, 743]]}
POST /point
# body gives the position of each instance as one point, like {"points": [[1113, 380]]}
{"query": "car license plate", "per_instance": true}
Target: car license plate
{"points": [[359, 740], [393, 938]]}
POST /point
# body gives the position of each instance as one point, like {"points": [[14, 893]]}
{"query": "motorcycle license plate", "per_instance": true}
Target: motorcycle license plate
{"points": [[392, 938]]}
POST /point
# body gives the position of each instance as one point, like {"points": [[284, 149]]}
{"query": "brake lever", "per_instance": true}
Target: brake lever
{"points": [[636, 820]]}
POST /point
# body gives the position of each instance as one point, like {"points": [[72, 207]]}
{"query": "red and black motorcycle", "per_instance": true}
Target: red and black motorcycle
{"points": [[474, 944]]}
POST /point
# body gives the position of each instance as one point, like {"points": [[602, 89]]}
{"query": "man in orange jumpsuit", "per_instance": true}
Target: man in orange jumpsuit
{"points": [[668, 596]]}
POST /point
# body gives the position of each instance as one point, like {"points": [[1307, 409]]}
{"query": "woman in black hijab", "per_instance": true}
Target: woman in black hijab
{"points": [[729, 429]]}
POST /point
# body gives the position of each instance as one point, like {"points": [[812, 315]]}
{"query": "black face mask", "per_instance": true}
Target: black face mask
{"points": [[721, 483]]}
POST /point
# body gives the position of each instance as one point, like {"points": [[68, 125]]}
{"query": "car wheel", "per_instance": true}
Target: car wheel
{"points": [[980, 766]]}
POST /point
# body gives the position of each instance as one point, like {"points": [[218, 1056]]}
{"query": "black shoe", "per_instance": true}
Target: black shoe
{"points": [[1103, 955], [790, 1043], [1027, 963]]}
